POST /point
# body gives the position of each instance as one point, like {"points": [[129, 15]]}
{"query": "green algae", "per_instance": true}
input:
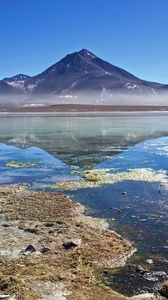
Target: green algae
{"points": [[92, 176], [96, 178], [21, 164]]}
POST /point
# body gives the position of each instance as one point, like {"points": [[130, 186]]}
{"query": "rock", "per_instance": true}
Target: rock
{"points": [[59, 222], [91, 176], [141, 270], [61, 277], [147, 296], [30, 249], [71, 244], [31, 230], [24, 184], [164, 289], [149, 261], [6, 224], [44, 250], [52, 231], [151, 275], [49, 224]]}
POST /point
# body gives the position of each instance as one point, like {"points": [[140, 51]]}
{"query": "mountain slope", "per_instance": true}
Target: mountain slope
{"points": [[80, 73], [5, 88], [17, 82]]}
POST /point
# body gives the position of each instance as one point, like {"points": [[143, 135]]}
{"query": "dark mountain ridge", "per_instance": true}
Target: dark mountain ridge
{"points": [[17, 77], [78, 74]]}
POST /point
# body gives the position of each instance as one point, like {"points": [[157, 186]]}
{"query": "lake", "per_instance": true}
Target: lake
{"points": [[54, 148]]}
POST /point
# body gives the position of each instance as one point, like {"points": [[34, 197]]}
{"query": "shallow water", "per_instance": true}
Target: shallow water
{"points": [[85, 140], [60, 146]]}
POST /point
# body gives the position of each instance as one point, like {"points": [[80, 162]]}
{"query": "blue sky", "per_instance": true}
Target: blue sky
{"points": [[132, 34]]}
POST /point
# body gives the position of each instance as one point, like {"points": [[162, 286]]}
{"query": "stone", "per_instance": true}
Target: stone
{"points": [[52, 231], [44, 250], [31, 230], [30, 249], [24, 184], [91, 176], [155, 276], [141, 270], [149, 261], [59, 222], [6, 224], [164, 289], [71, 243], [49, 224], [151, 275], [61, 277]]}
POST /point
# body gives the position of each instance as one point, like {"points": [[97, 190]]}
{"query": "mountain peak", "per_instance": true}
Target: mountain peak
{"points": [[17, 77], [79, 62], [86, 53], [82, 53]]}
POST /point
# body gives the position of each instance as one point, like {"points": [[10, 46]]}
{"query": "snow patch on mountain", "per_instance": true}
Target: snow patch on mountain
{"points": [[90, 54], [154, 92], [16, 84], [74, 84], [31, 86], [108, 73], [131, 86]]}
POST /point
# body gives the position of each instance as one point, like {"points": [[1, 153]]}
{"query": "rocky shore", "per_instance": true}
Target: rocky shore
{"points": [[50, 250]]}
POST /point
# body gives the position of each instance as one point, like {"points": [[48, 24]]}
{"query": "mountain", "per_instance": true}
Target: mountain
{"points": [[80, 73], [5, 88], [83, 72], [18, 77], [16, 82]]}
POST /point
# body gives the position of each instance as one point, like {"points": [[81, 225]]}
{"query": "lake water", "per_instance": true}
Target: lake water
{"points": [[51, 149]]}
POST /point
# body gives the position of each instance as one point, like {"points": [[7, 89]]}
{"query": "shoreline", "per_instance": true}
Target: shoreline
{"points": [[84, 109], [66, 251], [82, 114]]}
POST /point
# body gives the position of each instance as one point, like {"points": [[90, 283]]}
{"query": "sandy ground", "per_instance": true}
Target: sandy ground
{"points": [[68, 250]]}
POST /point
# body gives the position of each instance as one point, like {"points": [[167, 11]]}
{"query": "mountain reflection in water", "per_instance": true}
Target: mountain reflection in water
{"points": [[82, 141]]}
